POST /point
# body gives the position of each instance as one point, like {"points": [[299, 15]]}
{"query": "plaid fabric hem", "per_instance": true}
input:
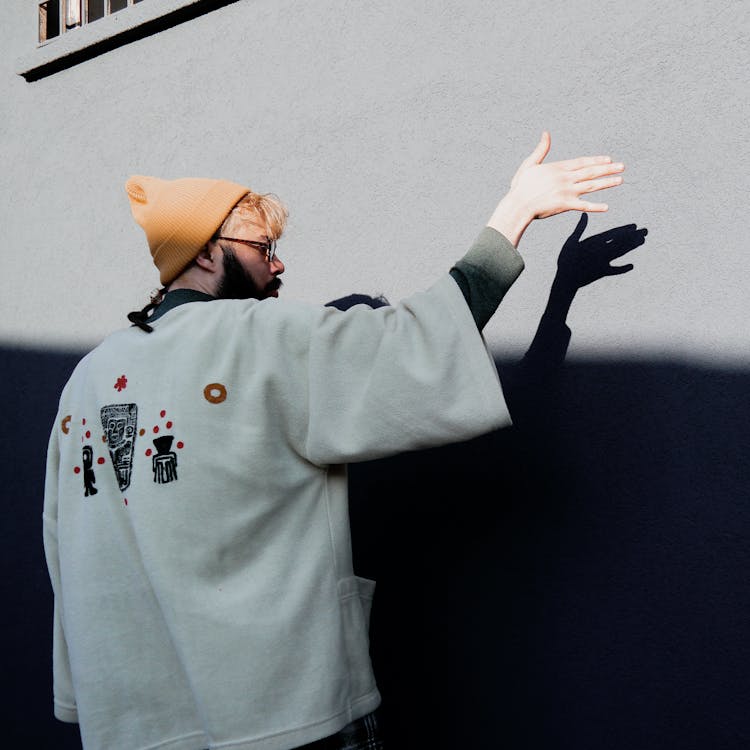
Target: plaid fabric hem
{"points": [[362, 734]]}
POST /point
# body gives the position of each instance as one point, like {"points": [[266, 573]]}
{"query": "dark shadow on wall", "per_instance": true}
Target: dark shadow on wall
{"points": [[580, 580], [32, 381], [582, 584]]}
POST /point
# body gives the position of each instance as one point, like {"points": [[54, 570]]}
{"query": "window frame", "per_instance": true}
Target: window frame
{"points": [[74, 14], [139, 19]]}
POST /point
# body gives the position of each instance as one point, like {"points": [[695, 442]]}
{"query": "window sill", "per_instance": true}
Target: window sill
{"points": [[108, 33]]}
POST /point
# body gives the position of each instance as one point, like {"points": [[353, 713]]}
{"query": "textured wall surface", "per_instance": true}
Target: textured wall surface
{"points": [[391, 130]]}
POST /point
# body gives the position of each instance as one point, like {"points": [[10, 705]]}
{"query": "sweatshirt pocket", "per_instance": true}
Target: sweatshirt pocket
{"points": [[355, 596]]}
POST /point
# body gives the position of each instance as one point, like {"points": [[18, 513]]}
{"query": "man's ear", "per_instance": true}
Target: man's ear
{"points": [[207, 258]]}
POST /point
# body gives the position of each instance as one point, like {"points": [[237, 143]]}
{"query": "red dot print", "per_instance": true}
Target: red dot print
{"points": [[162, 413], [148, 452], [156, 428], [77, 469], [100, 460], [125, 500], [169, 425], [88, 434], [180, 444], [83, 421]]}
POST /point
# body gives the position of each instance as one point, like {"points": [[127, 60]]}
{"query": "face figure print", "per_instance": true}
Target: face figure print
{"points": [[119, 422]]}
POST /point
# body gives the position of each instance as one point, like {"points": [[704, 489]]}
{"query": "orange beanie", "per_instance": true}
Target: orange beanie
{"points": [[180, 216]]}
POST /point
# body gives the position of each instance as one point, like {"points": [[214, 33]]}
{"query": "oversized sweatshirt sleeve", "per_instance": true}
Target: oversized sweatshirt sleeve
{"points": [[397, 378], [486, 272], [64, 705]]}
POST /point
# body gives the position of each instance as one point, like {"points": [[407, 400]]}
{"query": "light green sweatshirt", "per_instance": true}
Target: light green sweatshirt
{"points": [[195, 515]]}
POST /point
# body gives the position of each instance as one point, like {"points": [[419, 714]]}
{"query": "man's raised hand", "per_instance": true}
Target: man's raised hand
{"points": [[539, 190]]}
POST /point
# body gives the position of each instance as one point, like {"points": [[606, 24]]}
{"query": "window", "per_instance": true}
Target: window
{"points": [[95, 10], [74, 13], [73, 31], [49, 20]]}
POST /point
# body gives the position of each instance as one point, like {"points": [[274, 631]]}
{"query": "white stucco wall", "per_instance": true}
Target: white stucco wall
{"points": [[391, 130]]}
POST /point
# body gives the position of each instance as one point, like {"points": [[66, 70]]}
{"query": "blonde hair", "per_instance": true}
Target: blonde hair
{"points": [[266, 209]]}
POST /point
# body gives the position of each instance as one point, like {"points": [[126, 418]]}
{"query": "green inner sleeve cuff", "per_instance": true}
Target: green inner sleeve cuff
{"points": [[486, 272]]}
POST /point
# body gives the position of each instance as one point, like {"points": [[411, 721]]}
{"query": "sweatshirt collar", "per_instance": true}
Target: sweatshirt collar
{"points": [[179, 297]]}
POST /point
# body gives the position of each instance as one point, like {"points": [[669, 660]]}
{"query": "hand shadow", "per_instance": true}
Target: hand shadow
{"points": [[582, 262], [529, 385]]}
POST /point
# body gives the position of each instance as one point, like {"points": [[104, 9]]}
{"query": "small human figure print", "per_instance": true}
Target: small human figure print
{"points": [[89, 478]]}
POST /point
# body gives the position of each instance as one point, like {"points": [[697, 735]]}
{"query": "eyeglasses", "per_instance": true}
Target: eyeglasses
{"points": [[269, 248]]}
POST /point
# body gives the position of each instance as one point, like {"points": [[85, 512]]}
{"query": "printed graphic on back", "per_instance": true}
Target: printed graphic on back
{"points": [[120, 422]]}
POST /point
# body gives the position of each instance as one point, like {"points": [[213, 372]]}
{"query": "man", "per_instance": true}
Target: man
{"points": [[204, 595]]}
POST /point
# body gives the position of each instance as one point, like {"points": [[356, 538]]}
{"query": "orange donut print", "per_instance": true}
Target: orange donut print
{"points": [[215, 393], [65, 424]]}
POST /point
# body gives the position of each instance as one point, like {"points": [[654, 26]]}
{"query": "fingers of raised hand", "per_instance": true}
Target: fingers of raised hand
{"points": [[583, 161], [590, 186], [542, 149], [539, 153], [594, 171], [587, 206]]}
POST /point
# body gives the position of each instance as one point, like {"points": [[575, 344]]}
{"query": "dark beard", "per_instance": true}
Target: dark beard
{"points": [[238, 284]]}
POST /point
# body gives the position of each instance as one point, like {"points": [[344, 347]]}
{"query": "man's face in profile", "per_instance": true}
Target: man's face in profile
{"points": [[238, 282], [247, 271]]}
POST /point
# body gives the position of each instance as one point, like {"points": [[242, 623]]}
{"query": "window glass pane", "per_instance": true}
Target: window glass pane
{"points": [[115, 5], [72, 13], [49, 20], [95, 10]]}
